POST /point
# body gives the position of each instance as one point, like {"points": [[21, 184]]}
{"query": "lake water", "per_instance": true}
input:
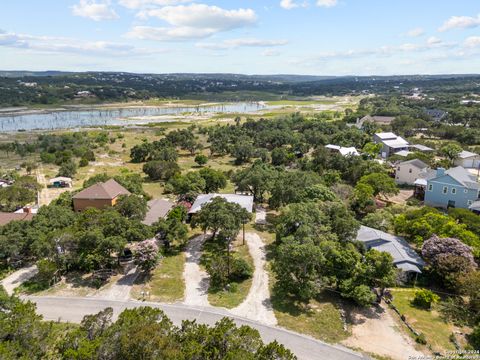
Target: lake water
{"points": [[116, 116]]}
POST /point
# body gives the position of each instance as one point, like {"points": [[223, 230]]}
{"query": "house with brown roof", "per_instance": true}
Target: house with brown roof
{"points": [[99, 196], [6, 218]]}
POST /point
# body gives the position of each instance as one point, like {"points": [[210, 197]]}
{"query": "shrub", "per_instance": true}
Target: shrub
{"points": [[420, 339], [201, 159], [474, 338], [240, 270], [425, 298], [46, 271], [83, 162]]}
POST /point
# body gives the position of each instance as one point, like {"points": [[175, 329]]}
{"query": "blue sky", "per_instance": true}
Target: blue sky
{"points": [[319, 37]]}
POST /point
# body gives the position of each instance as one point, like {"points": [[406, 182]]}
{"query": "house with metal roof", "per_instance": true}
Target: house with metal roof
{"points": [[375, 119], [245, 201], [99, 196], [468, 160], [344, 151], [391, 143], [407, 172], [404, 257], [455, 187]]}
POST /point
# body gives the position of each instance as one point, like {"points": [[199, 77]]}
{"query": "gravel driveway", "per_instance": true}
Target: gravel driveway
{"points": [[15, 279], [257, 305], [120, 289], [196, 280]]}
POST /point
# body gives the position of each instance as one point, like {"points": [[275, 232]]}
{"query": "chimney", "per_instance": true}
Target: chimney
{"points": [[440, 171]]}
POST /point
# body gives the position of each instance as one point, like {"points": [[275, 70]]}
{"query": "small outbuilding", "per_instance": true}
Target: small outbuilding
{"points": [[468, 160], [61, 182], [157, 209]]}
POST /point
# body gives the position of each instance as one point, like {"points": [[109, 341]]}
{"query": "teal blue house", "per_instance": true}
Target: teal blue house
{"points": [[455, 187]]}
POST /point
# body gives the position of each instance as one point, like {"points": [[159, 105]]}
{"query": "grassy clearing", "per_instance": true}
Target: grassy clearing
{"points": [[234, 297], [319, 318], [428, 322], [165, 283]]}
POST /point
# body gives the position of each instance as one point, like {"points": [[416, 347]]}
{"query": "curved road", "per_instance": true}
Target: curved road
{"points": [[305, 347]]}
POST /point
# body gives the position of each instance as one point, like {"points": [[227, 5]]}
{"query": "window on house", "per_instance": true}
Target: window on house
{"points": [[410, 171], [445, 189], [469, 202], [454, 191], [398, 168], [430, 187], [465, 191]]}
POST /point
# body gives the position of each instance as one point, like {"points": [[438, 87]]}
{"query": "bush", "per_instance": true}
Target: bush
{"points": [[46, 271], [425, 298], [474, 338], [240, 270], [83, 162], [420, 339], [201, 159]]}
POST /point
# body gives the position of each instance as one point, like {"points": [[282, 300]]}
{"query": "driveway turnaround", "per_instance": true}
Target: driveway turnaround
{"points": [[305, 347]]}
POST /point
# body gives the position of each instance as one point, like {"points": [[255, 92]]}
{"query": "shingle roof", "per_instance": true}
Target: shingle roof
{"points": [[463, 177], [245, 201], [108, 190], [157, 209], [394, 245], [6, 218], [415, 162]]}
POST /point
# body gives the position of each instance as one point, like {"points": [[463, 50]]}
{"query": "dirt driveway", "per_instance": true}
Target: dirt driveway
{"points": [[196, 280], [257, 305], [375, 331]]}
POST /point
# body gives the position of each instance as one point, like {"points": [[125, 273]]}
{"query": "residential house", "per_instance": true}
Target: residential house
{"points": [[99, 196], [391, 143], [25, 215], [157, 209], [407, 172], [245, 201], [468, 160], [421, 148], [404, 257], [437, 115], [344, 151], [455, 187]]}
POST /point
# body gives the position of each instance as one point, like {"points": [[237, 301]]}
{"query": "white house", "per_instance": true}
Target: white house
{"points": [[391, 143], [344, 151], [407, 172], [468, 160]]}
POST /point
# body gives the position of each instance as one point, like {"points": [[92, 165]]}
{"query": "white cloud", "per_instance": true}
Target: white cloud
{"points": [[235, 43], [472, 42], [95, 11], [138, 4], [270, 52], [292, 4], [327, 3], [194, 21], [460, 22], [432, 40], [416, 32], [49, 44]]}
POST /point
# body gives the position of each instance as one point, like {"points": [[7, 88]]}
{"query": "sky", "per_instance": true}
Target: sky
{"points": [[314, 37]]}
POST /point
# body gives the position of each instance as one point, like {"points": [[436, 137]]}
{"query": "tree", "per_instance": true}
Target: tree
{"points": [[242, 151], [161, 170], [451, 151], [289, 186], [372, 149], [132, 207], [449, 258], [189, 185], [68, 169], [201, 159], [256, 180], [381, 183], [363, 200], [147, 255], [214, 180], [140, 153]]}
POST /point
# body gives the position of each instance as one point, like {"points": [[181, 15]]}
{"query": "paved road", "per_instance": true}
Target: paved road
{"points": [[306, 348]]}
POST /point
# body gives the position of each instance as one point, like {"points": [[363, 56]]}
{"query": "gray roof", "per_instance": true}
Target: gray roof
{"points": [[396, 246], [421, 147], [245, 201], [157, 209], [399, 142], [386, 136], [378, 119], [467, 154], [459, 174], [415, 162]]}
